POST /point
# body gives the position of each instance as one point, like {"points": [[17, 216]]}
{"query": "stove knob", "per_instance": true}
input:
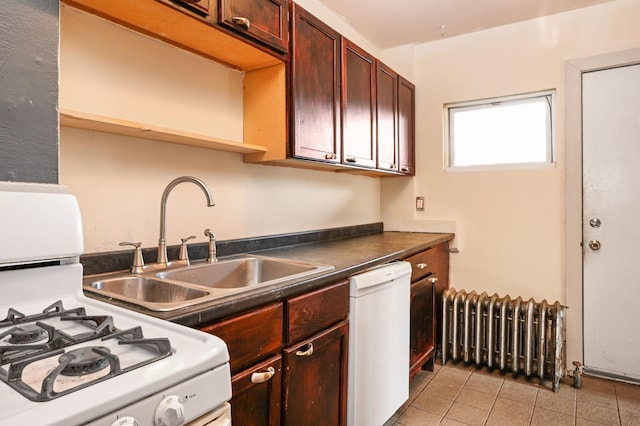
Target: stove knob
{"points": [[125, 421], [170, 412]]}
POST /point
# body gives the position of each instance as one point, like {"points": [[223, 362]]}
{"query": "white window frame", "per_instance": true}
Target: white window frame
{"points": [[549, 161]]}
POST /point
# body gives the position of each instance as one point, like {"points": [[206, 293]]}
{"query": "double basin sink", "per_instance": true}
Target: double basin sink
{"points": [[175, 288]]}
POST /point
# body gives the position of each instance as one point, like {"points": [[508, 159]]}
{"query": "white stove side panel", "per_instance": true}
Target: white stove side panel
{"points": [[36, 226]]}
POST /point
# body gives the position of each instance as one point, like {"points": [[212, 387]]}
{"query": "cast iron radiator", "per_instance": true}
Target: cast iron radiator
{"points": [[511, 335]]}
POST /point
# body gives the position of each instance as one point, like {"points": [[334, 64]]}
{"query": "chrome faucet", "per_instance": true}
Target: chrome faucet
{"points": [[162, 242]]}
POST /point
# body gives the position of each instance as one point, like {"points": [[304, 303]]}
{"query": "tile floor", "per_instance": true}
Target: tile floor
{"points": [[467, 395]]}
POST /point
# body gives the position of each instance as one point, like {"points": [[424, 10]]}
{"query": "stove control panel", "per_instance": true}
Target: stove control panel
{"points": [[177, 405]]}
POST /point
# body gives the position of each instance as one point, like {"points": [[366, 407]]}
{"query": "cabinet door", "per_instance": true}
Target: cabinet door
{"points": [[387, 117], [422, 324], [315, 88], [406, 126], [441, 274], [263, 20], [257, 393], [315, 379], [358, 106]]}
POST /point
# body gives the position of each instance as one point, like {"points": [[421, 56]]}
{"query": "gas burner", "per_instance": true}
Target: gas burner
{"points": [[27, 333], [80, 362]]}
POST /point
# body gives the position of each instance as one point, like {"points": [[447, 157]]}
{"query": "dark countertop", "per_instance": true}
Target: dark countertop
{"points": [[348, 256]]}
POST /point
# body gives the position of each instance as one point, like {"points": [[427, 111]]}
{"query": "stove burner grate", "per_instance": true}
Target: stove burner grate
{"points": [[28, 333], [80, 362], [56, 309]]}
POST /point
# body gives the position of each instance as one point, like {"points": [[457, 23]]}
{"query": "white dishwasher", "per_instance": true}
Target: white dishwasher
{"points": [[378, 343]]}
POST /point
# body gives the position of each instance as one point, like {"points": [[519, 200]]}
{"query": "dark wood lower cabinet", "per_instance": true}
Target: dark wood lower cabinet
{"points": [[315, 379], [257, 394], [429, 279], [423, 326], [306, 382]]}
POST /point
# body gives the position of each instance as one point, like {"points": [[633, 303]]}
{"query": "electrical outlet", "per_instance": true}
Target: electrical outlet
{"points": [[419, 204]]}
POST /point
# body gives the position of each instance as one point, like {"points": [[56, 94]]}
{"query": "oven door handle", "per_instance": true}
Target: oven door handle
{"points": [[263, 376]]}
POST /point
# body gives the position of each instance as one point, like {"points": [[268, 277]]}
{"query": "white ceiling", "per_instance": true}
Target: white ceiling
{"points": [[388, 24]]}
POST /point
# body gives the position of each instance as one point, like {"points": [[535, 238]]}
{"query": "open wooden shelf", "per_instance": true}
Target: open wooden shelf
{"points": [[100, 123]]}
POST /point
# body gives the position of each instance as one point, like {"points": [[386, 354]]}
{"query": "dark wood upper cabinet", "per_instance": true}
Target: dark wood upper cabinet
{"points": [[263, 20], [406, 126], [358, 106], [315, 88], [387, 117], [201, 6]]}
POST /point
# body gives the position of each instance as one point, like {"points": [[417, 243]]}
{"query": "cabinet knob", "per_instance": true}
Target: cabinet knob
{"points": [[330, 156], [404, 169], [350, 159], [241, 22], [433, 280], [263, 376], [421, 265], [306, 352]]}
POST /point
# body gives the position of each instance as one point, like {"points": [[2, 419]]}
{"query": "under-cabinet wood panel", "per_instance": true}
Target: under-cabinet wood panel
{"points": [[181, 29]]}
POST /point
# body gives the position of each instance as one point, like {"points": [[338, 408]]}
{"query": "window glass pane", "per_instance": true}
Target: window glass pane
{"points": [[500, 132]]}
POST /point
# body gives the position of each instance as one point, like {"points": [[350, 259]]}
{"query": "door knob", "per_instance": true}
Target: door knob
{"points": [[594, 245]]}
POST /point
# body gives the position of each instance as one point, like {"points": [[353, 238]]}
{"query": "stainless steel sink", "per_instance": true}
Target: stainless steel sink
{"points": [[154, 294], [185, 286], [244, 271]]}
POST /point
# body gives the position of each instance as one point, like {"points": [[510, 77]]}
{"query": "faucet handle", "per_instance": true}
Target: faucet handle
{"points": [[137, 267], [212, 246], [184, 254]]}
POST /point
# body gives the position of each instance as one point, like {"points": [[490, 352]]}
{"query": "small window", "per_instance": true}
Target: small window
{"points": [[509, 131]]}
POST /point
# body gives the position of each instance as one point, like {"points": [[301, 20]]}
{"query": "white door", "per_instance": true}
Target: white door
{"points": [[611, 221]]}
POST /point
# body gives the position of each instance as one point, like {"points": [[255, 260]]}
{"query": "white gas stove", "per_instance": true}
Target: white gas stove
{"points": [[66, 359]]}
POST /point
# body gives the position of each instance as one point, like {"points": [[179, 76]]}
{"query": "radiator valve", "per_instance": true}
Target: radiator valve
{"points": [[577, 375]]}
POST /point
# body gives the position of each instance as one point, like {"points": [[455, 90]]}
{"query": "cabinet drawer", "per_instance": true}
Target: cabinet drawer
{"points": [[251, 337], [423, 263], [312, 312]]}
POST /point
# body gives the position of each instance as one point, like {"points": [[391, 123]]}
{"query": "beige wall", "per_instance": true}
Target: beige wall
{"points": [[510, 225], [105, 69]]}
